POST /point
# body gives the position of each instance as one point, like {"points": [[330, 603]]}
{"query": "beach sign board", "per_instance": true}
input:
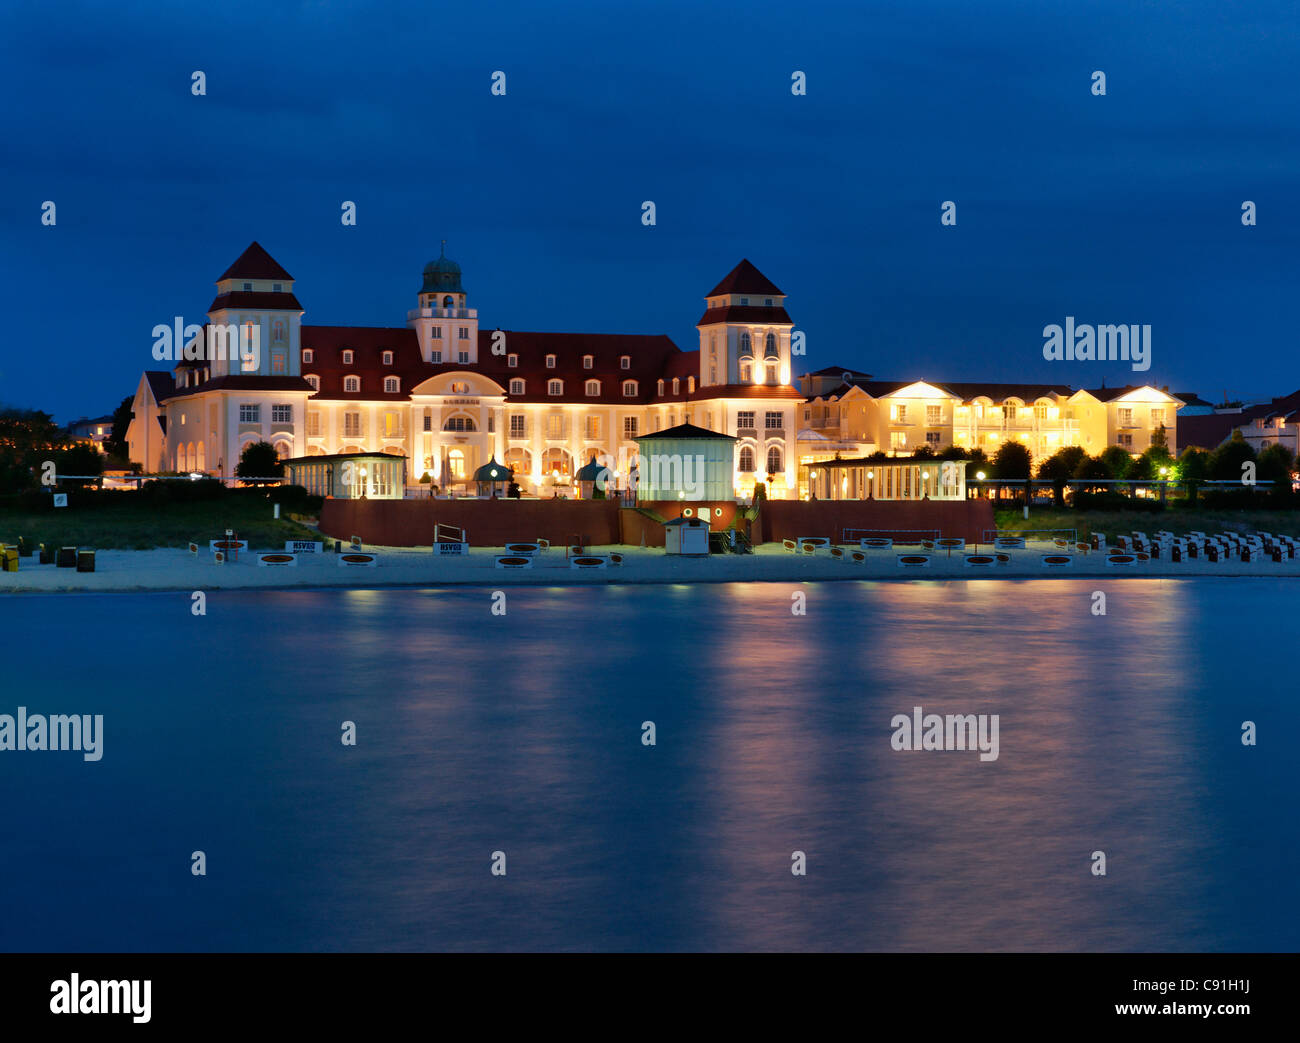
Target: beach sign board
{"points": [[303, 547], [446, 548]]}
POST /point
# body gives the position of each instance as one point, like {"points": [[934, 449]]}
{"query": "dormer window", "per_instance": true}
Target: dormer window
{"points": [[744, 302], [676, 386], [555, 387], [661, 386], [352, 384], [248, 286], [550, 361], [625, 362], [277, 287], [308, 355], [767, 302], [347, 357], [629, 389], [512, 361], [313, 380], [690, 384], [388, 358], [586, 361], [516, 387], [593, 388], [392, 385]]}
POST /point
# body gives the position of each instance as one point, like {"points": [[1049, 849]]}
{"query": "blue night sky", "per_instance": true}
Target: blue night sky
{"points": [[1118, 209]]}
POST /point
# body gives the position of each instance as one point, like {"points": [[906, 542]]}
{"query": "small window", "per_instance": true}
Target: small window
{"points": [[388, 358], [555, 387], [744, 302], [277, 287], [587, 361], [435, 357], [459, 387], [308, 355], [314, 381], [550, 361], [677, 386], [347, 357], [250, 414], [661, 386], [352, 384], [690, 385], [512, 361], [629, 389], [392, 385], [516, 387], [746, 345], [436, 333], [593, 388], [248, 286], [462, 357], [767, 302], [282, 414], [625, 362], [462, 333], [629, 427]]}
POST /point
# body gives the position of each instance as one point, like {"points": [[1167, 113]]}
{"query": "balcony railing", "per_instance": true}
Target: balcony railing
{"points": [[442, 313]]}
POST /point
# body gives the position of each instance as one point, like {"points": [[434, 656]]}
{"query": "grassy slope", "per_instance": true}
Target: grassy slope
{"points": [[1115, 523], [140, 526]]}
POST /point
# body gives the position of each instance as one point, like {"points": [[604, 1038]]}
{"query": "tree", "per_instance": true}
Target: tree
{"points": [[1060, 467], [1118, 460], [1093, 468], [1012, 460], [81, 460], [115, 444], [1160, 439], [1226, 461], [259, 460], [1275, 464], [1193, 468], [952, 452]]}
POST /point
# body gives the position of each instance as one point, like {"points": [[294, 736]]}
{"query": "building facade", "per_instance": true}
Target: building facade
{"points": [[449, 396]]}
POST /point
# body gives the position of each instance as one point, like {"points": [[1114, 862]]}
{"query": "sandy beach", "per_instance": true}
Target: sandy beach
{"points": [[126, 570]]}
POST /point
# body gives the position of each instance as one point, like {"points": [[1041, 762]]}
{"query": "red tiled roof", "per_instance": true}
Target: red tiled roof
{"points": [[255, 263], [255, 299], [368, 344], [737, 313], [244, 382], [745, 278]]}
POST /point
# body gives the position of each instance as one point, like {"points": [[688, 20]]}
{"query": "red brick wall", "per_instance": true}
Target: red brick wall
{"points": [[488, 523], [790, 519], [493, 523]]}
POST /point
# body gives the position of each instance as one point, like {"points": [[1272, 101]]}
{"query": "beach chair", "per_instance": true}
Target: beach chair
{"points": [[859, 558], [836, 552]]}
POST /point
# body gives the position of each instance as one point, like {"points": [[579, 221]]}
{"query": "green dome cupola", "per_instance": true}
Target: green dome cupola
{"points": [[442, 275]]}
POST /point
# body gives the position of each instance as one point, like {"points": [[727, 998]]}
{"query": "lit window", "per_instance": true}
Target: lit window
{"points": [[391, 385], [746, 459], [458, 423], [516, 387], [773, 460], [555, 387], [629, 389], [593, 388], [676, 386], [661, 386], [352, 384], [518, 425], [629, 427]]}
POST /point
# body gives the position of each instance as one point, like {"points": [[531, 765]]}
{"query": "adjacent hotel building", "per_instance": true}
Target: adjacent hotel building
{"points": [[450, 396]]}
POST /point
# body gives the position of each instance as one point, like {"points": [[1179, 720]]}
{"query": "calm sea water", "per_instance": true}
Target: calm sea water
{"points": [[480, 733]]}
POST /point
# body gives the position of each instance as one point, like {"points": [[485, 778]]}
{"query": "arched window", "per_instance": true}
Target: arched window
{"points": [[625, 362], [629, 389], [308, 356], [690, 384], [746, 459], [456, 463], [593, 388], [392, 385], [550, 361], [587, 361], [388, 358], [746, 347], [347, 357], [516, 387], [746, 372], [555, 387], [774, 460], [770, 350], [352, 384], [677, 386], [661, 386], [459, 423], [449, 301], [314, 381]]}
